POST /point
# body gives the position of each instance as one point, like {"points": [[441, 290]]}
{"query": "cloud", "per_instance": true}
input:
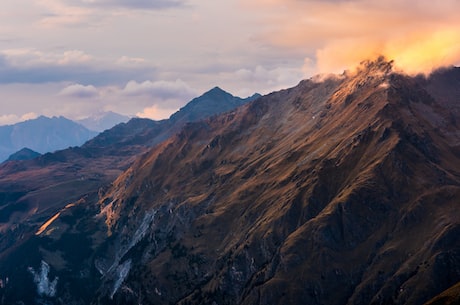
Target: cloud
{"points": [[72, 13], [24, 58], [127, 61], [164, 97], [263, 78], [137, 4], [83, 6], [419, 35], [155, 112], [8, 119], [279, 76], [163, 90], [59, 13], [35, 66], [80, 91]]}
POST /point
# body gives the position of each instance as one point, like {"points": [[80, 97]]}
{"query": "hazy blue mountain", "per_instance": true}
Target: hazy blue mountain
{"points": [[42, 135], [103, 121]]}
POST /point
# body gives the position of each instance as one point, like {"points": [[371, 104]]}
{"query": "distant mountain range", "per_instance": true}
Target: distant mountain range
{"points": [[45, 134], [42, 135]]}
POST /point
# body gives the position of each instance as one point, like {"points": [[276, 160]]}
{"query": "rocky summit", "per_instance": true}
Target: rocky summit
{"points": [[341, 190]]}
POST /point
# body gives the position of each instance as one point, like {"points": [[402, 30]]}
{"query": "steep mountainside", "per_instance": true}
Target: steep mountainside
{"points": [[32, 191], [43, 135], [344, 191], [449, 297]]}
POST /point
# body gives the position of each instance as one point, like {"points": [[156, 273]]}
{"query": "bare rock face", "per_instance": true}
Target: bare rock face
{"points": [[339, 191]]}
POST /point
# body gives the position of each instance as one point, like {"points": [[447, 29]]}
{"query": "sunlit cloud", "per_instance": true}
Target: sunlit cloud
{"points": [[419, 36], [155, 112]]}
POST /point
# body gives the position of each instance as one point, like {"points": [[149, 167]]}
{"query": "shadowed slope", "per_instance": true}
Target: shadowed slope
{"points": [[449, 297]]}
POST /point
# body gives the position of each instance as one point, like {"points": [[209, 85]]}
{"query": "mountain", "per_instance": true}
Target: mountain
{"points": [[212, 102], [24, 154], [102, 121], [43, 135], [341, 191], [32, 191], [147, 132]]}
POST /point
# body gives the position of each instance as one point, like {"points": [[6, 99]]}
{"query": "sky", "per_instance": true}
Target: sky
{"points": [[78, 58]]}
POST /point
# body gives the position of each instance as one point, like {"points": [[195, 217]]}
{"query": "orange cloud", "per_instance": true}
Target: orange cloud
{"points": [[417, 52], [338, 34], [155, 113]]}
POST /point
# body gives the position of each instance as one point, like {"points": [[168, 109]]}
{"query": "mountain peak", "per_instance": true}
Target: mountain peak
{"points": [[217, 91], [378, 64], [209, 103], [23, 154]]}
